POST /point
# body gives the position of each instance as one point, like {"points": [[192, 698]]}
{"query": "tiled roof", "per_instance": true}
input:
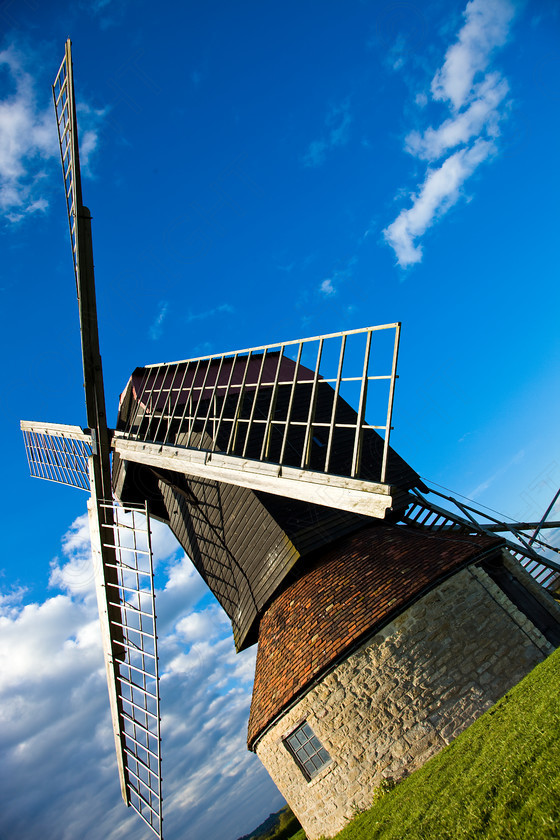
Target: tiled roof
{"points": [[352, 589]]}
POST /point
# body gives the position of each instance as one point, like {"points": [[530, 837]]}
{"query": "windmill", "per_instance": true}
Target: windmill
{"points": [[312, 533]]}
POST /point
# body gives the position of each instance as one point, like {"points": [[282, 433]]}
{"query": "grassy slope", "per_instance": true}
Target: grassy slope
{"points": [[499, 780]]}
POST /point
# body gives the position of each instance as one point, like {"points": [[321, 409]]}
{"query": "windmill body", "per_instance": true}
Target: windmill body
{"points": [[381, 635], [386, 623]]}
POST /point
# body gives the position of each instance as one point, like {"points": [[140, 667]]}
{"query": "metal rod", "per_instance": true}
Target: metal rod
{"points": [[211, 401], [390, 405], [140, 708], [173, 410], [523, 526], [132, 629], [141, 815], [265, 447], [166, 402], [141, 745], [140, 761], [139, 687], [233, 434], [222, 410], [188, 395], [126, 605], [306, 451], [290, 403], [254, 403], [137, 723], [198, 404], [541, 523], [285, 343], [156, 400], [335, 402], [135, 649], [147, 804], [357, 452]]}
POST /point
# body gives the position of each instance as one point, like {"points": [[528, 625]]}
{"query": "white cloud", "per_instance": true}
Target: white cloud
{"points": [[55, 730], [205, 624], [343, 272], [486, 27], [27, 141], [438, 193], [10, 602], [75, 576], [482, 113], [477, 103], [90, 121]]}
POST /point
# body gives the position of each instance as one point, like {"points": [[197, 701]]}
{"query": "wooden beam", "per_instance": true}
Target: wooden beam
{"points": [[520, 526], [97, 552], [351, 494], [55, 430]]}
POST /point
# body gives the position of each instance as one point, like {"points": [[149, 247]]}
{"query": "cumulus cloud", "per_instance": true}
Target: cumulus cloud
{"points": [[481, 114], [27, 141], [74, 574], [486, 27], [438, 193], [55, 729], [477, 101]]}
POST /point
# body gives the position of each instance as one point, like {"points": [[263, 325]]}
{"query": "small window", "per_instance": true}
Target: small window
{"points": [[307, 751]]}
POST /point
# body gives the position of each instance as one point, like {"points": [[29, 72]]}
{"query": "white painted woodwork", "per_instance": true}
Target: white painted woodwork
{"points": [[340, 492]]}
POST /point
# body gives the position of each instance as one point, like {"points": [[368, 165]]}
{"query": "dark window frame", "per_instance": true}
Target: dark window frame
{"points": [[307, 750]]}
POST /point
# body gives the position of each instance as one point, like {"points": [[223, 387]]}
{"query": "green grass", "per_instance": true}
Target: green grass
{"points": [[499, 780]]}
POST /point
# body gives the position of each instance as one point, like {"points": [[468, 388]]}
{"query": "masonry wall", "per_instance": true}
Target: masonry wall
{"points": [[403, 696]]}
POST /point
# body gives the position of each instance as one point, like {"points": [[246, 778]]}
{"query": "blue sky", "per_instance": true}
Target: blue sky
{"points": [[259, 172]]}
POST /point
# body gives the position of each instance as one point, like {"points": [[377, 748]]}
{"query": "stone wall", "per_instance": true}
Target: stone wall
{"points": [[402, 696]]}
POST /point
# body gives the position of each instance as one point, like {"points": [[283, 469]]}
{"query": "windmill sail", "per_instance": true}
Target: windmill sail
{"points": [[133, 676], [123, 567], [58, 453], [79, 220], [120, 538]]}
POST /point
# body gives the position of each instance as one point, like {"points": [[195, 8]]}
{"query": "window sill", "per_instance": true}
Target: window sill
{"points": [[321, 774]]}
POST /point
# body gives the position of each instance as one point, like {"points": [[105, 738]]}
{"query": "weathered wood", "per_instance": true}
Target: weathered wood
{"points": [[343, 493], [103, 606], [55, 430]]}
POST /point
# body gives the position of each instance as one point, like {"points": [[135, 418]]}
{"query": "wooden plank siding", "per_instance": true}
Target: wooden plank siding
{"points": [[234, 543]]}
